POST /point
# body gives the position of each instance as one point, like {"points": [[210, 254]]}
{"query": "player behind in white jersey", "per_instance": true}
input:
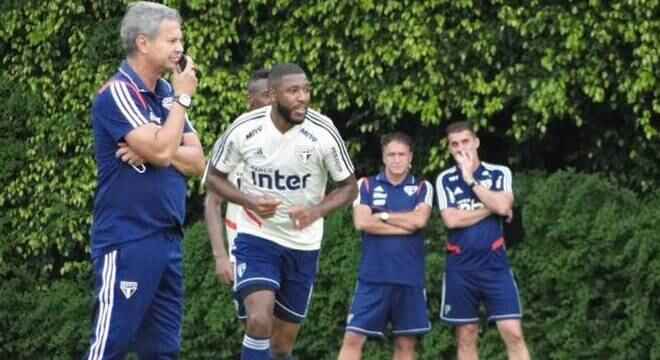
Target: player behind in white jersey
{"points": [[257, 96], [287, 151]]}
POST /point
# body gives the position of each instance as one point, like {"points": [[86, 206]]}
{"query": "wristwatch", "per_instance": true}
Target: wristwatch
{"points": [[473, 184], [384, 216], [184, 99]]}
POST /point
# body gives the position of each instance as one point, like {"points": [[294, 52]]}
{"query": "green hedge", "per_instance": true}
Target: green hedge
{"points": [[43, 320], [587, 268]]}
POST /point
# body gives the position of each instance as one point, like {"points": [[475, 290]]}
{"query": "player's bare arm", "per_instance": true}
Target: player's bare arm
{"points": [[365, 220], [457, 218], [218, 182], [342, 195], [213, 216], [158, 144]]}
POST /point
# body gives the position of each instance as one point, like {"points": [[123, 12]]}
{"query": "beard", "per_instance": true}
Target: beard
{"points": [[286, 114]]}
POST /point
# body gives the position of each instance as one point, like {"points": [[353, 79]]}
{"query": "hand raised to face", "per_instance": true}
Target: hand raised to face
{"points": [[467, 162]]}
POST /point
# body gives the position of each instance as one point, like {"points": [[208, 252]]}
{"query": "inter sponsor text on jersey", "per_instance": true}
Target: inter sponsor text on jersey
{"points": [[480, 246], [292, 167]]}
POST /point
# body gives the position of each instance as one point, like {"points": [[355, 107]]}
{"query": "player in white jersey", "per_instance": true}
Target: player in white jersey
{"points": [[257, 96], [287, 151]]}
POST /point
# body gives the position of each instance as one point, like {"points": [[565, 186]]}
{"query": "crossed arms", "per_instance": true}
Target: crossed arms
{"points": [[495, 202], [399, 223], [164, 146]]}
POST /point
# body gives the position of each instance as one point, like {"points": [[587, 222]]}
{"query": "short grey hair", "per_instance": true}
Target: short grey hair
{"points": [[144, 18]]}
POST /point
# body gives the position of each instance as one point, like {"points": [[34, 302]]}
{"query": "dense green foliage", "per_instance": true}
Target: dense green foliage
{"points": [[552, 85], [594, 268], [43, 319], [587, 269]]}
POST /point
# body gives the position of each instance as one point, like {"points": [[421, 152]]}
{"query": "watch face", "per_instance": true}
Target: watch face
{"points": [[184, 100], [384, 216]]}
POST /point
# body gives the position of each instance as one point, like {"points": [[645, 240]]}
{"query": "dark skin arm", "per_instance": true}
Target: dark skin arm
{"points": [[218, 183], [342, 195], [213, 216]]}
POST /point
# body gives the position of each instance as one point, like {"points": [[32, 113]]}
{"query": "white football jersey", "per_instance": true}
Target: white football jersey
{"points": [[292, 167]]}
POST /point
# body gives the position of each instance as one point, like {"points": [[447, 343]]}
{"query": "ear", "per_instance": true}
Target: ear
{"points": [[142, 43], [478, 142]]}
